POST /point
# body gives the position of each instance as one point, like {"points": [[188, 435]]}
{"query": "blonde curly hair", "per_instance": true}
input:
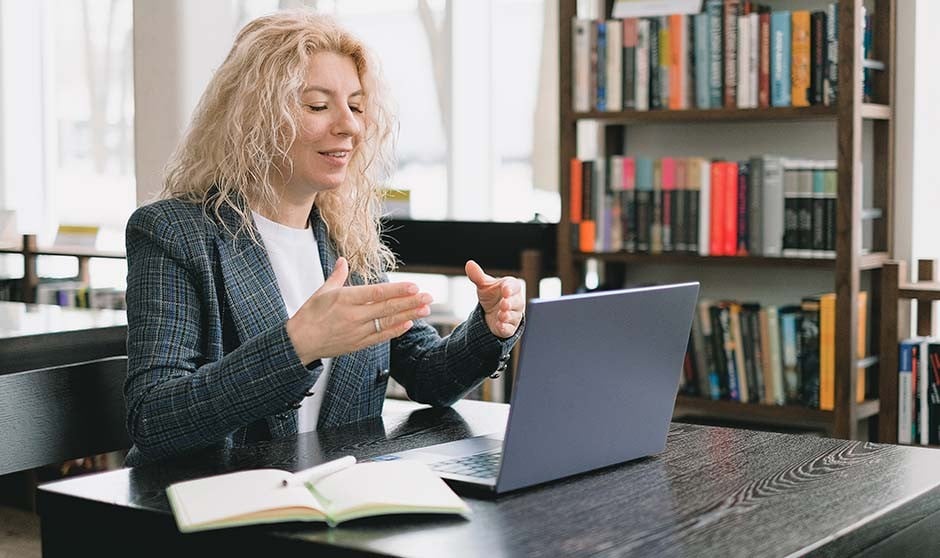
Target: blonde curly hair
{"points": [[246, 121]]}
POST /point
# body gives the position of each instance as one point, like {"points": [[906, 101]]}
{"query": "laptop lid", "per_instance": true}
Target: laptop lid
{"points": [[596, 382]]}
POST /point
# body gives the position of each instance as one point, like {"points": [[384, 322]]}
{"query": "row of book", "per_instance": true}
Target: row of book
{"points": [[768, 354], [919, 391], [735, 54], [765, 206], [65, 292]]}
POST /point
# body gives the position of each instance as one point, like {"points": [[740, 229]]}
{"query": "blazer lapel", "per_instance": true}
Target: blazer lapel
{"points": [[251, 289], [345, 375]]}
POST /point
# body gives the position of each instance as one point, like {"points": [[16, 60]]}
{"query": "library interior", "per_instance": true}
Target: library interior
{"points": [[701, 313]]}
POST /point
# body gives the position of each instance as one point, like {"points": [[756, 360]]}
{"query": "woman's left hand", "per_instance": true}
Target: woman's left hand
{"points": [[502, 299]]}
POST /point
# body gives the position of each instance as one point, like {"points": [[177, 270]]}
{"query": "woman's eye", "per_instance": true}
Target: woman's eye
{"points": [[355, 109], [316, 108]]}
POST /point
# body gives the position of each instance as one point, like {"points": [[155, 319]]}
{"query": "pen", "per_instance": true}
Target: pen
{"points": [[322, 470]]}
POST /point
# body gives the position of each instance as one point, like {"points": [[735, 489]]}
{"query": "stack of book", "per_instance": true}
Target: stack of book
{"points": [[768, 354], [765, 206], [735, 54]]}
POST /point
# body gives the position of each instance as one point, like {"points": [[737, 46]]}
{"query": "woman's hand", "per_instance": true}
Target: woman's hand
{"points": [[502, 299], [337, 319]]}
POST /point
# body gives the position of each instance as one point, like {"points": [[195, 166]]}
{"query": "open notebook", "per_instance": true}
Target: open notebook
{"points": [[333, 492]]}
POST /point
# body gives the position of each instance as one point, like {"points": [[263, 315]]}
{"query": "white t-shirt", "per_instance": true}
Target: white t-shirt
{"points": [[295, 258]]}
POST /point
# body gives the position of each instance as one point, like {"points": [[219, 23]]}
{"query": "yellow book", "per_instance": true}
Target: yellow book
{"points": [[799, 58], [332, 493], [862, 344], [827, 351]]}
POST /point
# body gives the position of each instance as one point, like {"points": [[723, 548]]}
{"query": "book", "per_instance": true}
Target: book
{"points": [[334, 492], [800, 58], [780, 41]]}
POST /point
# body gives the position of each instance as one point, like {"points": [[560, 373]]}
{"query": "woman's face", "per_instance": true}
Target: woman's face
{"points": [[329, 126]]}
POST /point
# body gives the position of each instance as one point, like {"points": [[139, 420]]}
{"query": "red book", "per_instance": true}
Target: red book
{"points": [[729, 219], [763, 66], [717, 209], [575, 190]]}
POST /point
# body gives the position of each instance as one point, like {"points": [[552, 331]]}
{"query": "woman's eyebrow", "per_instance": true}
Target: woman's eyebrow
{"points": [[328, 91]]}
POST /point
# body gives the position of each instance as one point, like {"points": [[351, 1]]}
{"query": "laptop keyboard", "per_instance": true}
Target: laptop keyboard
{"points": [[481, 465]]}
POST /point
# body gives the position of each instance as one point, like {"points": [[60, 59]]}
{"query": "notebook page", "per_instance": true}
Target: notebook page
{"points": [[236, 494], [393, 485]]}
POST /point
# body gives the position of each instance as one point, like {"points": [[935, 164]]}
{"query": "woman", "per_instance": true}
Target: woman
{"points": [[257, 300]]}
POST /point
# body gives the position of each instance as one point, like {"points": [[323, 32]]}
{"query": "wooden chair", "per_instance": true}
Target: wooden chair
{"points": [[53, 414]]}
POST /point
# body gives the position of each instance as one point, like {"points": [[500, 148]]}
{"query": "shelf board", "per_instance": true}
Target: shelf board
{"points": [[775, 414], [755, 412], [873, 260], [815, 112], [677, 258], [924, 290], [872, 111], [75, 251]]}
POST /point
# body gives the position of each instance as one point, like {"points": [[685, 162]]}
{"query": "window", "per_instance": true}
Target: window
{"points": [[68, 116]]}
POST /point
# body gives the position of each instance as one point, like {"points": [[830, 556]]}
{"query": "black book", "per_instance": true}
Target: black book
{"points": [[752, 313], [817, 57], [628, 219], [809, 351], [654, 96]]}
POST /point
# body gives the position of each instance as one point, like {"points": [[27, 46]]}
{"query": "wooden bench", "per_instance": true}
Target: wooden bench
{"points": [[50, 415]]}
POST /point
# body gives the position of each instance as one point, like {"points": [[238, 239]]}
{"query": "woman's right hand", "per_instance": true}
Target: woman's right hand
{"points": [[337, 319]]}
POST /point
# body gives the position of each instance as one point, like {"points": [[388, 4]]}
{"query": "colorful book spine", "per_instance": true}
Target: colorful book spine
{"points": [[702, 61], [628, 60], [730, 48], [780, 40], [713, 9], [800, 58], [644, 203], [763, 69], [668, 194], [831, 85], [614, 60], [906, 390], [642, 65], [817, 42], [581, 62]]}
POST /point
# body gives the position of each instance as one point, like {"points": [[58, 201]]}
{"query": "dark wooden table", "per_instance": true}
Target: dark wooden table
{"points": [[41, 335], [713, 492]]}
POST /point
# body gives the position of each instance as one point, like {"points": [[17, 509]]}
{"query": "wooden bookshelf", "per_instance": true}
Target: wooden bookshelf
{"points": [[31, 251], [895, 289], [850, 264]]}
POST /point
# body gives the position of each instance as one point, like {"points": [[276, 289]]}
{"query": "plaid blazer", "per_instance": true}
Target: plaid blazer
{"points": [[209, 360]]}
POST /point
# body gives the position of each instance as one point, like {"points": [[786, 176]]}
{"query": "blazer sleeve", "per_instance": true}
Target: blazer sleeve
{"points": [[439, 371], [177, 401]]}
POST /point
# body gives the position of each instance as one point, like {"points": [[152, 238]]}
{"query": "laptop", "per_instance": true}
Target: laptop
{"points": [[595, 386]]}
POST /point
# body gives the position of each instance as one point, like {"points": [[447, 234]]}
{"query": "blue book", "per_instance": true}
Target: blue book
{"points": [[601, 66], [702, 62], [644, 203], [715, 54], [780, 59]]}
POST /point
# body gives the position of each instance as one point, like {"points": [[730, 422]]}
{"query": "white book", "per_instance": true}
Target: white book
{"points": [[753, 59], [333, 492], [581, 63], [704, 207], [642, 78], [776, 357], [744, 47], [614, 66], [772, 206]]}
